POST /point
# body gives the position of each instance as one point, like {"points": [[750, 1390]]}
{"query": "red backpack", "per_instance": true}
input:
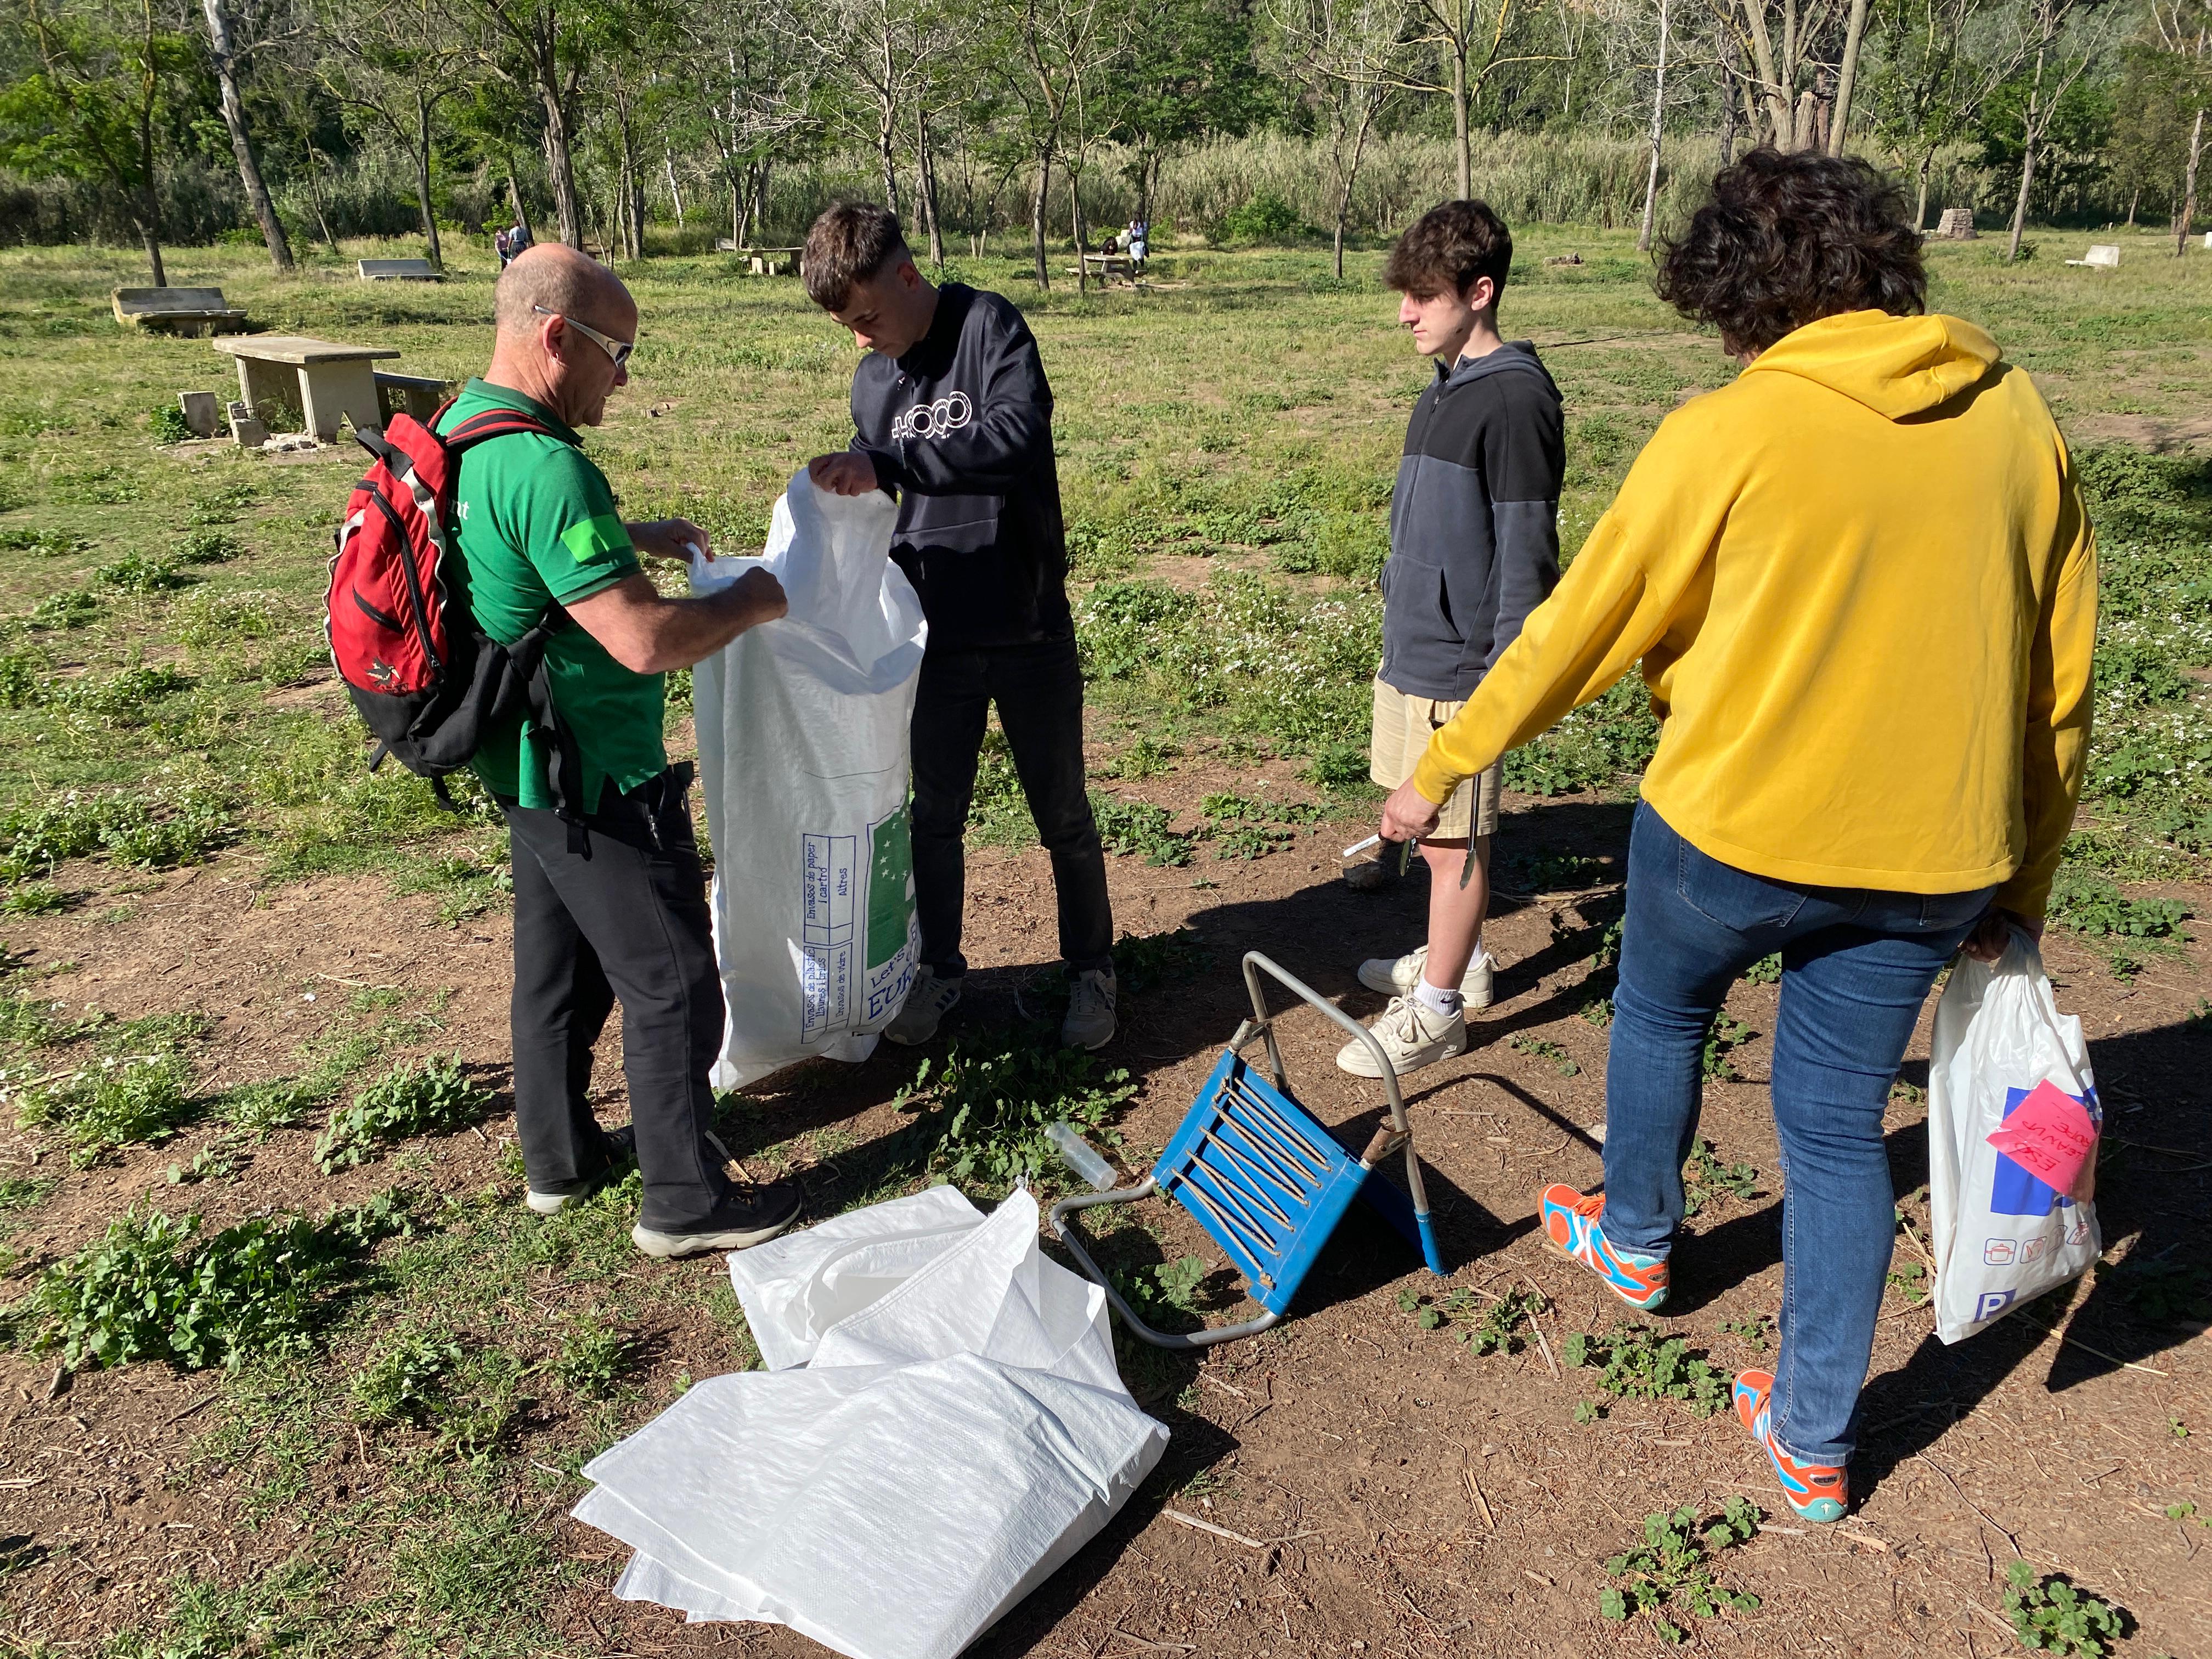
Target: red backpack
{"points": [[429, 683]]}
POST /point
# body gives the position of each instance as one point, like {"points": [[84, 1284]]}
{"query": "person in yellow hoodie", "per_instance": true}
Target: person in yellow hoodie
{"points": [[1862, 586]]}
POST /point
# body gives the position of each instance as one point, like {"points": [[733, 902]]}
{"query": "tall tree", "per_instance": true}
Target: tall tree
{"points": [[1190, 72], [1049, 55], [1847, 77], [1344, 56], [2068, 37], [756, 83], [545, 46], [89, 106], [2182, 32], [1472, 40], [878, 51], [1782, 39], [1941, 61], [1658, 127], [222, 53], [392, 63]]}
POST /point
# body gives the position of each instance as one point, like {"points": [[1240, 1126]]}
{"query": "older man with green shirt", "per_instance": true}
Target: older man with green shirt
{"points": [[609, 900]]}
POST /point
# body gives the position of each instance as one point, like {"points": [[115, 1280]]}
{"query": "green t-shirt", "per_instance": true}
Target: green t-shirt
{"points": [[535, 523]]}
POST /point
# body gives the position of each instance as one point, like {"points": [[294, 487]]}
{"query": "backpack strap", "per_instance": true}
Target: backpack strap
{"points": [[564, 767], [492, 423]]}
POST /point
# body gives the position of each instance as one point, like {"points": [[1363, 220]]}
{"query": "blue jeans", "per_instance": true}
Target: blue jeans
{"points": [[1857, 965]]}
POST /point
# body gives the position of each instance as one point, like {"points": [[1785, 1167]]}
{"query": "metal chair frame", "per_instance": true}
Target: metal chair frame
{"points": [[1275, 1150]]}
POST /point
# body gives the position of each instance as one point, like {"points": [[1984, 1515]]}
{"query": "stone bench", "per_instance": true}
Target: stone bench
{"points": [[419, 395], [2103, 255], [1957, 225], [189, 311], [395, 271]]}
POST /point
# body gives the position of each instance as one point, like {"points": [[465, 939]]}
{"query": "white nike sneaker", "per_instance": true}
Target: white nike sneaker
{"points": [[1397, 976], [928, 1000], [1090, 998], [1412, 1037]]}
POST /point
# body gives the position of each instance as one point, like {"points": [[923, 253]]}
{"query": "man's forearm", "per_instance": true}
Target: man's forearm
{"points": [[649, 634]]}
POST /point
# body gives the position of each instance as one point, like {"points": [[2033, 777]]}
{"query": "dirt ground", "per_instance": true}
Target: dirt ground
{"points": [[1407, 1496]]}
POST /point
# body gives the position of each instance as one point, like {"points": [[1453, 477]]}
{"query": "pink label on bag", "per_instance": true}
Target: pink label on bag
{"points": [[2051, 1135]]}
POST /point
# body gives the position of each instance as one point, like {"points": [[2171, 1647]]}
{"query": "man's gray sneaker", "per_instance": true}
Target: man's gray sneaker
{"points": [[621, 1152], [750, 1215], [1410, 1035], [1396, 976], [1089, 1022], [928, 1000]]}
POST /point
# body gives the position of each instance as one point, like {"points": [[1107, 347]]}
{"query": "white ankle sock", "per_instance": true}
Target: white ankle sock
{"points": [[1444, 1004]]}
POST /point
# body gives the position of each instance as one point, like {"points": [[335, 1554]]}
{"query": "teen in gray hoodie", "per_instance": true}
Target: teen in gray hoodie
{"points": [[1475, 547]]}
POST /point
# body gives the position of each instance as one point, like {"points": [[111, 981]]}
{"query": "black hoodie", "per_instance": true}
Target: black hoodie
{"points": [[960, 428], [1474, 522]]}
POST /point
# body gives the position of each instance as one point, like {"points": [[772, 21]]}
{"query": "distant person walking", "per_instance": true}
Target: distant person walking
{"points": [[1137, 240], [953, 416], [1475, 547], [510, 243], [611, 902], [1864, 589]]}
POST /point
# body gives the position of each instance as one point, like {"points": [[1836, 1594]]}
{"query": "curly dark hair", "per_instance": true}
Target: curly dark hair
{"points": [[1786, 240]]}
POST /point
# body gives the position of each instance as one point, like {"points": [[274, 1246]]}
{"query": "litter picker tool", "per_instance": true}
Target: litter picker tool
{"points": [[1263, 1176]]}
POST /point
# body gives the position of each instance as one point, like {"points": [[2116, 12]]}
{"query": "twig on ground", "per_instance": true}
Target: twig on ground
{"points": [[2065, 1333], [1218, 1532], [1157, 1647], [1971, 1504], [200, 1404], [1551, 1365]]}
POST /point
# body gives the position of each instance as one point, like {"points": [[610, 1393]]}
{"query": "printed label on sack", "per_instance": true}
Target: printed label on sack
{"points": [[2047, 1149], [894, 940], [827, 876]]}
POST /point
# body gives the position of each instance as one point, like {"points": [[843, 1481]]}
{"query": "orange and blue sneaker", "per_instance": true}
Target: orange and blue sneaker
{"points": [[1814, 1491], [1570, 1223]]}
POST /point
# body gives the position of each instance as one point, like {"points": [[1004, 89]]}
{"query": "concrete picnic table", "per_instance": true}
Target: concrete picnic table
{"points": [[321, 379]]}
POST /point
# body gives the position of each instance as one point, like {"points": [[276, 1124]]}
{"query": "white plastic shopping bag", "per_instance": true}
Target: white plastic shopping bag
{"points": [[802, 726], [900, 1479], [2013, 1122]]}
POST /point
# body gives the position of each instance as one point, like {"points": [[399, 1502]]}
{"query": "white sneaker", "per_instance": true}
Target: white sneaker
{"points": [[1397, 976], [928, 1000], [1089, 1023], [1411, 1035]]}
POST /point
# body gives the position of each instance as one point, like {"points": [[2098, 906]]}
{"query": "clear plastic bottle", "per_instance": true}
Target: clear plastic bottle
{"points": [[1080, 1156]]}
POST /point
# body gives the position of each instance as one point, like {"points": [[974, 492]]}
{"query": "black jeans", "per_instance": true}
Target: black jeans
{"points": [[625, 919], [1039, 692]]}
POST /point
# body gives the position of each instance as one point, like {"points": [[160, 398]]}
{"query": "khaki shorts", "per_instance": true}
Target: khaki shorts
{"points": [[1403, 726]]}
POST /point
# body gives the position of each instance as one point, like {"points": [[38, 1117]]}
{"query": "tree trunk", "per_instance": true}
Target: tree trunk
{"points": [[514, 199], [2029, 132], [1658, 123], [1077, 229], [1847, 79], [315, 197], [421, 159], [1036, 219], [560, 155], [738, 207], [1339, 242], [2189, 184], [675, 196], [886, 131], [1460, 132], [152, 239], [1729, 95], [2134, 201], [241, 139], [1920, 201], [926, 184]]}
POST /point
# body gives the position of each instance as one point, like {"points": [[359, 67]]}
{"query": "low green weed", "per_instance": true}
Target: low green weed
{"points": [[259, 1110], [141, 573], [407, 1381], [1136, 827], [1909, 1280], [209, 547], [434, 1098], [1673, 1569], [593, 1355], [167, 424], [2161, 1293], [1705, 1177], [71, 608], [1485, 1328], [139, 1100], [998, 812], [123, 827], [35, 898], [1635, 1363], [979, 1114], [1767, 970], [148, 1289], [1727, 1035], [1145, 962], [1598, 747], [1144, 758], [1163, 1291], [1757, 1332], [2050, 1614], [2132, 929], [1545, 1049], [1241, 827], [1551, 872]]}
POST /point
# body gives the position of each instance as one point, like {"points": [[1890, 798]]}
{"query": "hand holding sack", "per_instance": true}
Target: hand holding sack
{"points": [[802, 726], [2013, 1125]]}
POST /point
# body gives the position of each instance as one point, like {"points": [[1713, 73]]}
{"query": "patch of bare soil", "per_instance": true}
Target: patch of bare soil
{"points": [[1426, 1500]]}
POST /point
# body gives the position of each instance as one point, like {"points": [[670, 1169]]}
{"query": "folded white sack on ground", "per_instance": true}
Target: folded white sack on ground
{"points": [[802, 728], [915, 1468]]}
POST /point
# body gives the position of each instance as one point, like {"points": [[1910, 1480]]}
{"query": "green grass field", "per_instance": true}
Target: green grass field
{"points": [[1227, 441]]}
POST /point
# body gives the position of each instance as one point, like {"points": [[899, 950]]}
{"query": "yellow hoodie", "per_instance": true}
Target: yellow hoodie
{"points": [[1864, 589]]}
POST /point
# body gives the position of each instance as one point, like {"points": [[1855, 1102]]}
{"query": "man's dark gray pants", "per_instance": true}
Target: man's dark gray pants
{"points": [[625, 919]]}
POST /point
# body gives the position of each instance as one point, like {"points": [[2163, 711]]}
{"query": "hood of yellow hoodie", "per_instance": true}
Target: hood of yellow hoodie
{"points": [[1896, 366]]}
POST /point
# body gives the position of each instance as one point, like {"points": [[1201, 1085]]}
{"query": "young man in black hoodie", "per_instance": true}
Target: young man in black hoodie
{"points": [[954, 418], [1475, 547]]}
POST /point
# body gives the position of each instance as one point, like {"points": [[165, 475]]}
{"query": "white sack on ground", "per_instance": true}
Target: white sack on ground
{"points": [[2003, 1058], [802, 726], [916, 1467]]}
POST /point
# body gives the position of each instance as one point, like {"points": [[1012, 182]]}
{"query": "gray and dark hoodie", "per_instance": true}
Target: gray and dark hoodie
{"points": [[1474, 521]]}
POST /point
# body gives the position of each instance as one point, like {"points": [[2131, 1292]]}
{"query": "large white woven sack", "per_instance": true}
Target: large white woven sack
{"points": [[802, 726]]}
